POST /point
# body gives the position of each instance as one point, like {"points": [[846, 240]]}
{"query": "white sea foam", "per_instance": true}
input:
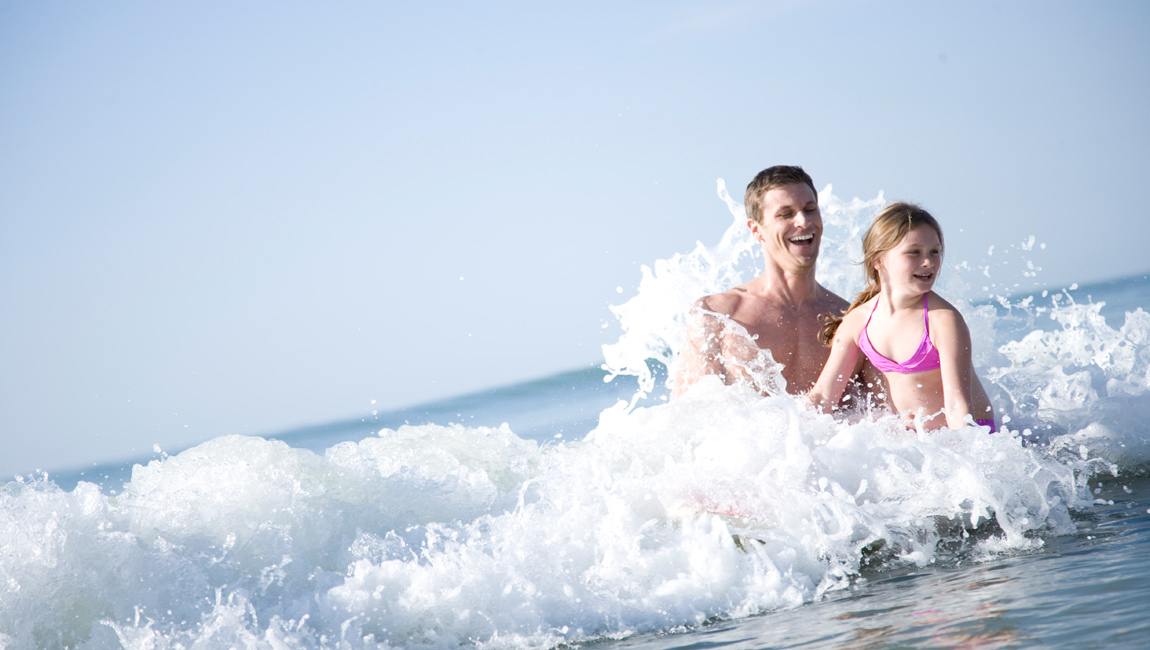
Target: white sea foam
{"points": [[720, 503], [444, 536]]}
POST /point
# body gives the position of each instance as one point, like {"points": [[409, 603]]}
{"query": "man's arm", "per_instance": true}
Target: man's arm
{"points": [[702, 350]]}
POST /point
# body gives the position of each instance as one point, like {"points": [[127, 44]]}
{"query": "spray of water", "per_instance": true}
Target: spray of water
{"points": [[718, 504]]}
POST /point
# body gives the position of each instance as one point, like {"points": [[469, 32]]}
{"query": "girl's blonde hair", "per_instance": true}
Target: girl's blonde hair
{"points": [[888, 229]]}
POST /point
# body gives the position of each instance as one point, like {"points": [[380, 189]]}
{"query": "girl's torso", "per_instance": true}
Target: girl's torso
{"points": [[898, 344], [923, 358]]}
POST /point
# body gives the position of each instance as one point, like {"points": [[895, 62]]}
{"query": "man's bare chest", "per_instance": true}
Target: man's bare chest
{"points": [[786, 332]]}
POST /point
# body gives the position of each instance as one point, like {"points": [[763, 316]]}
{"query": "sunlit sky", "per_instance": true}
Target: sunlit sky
{"points": [[241, 217]]}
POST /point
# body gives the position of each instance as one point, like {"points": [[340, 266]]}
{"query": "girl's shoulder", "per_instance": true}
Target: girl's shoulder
{"points": [[936, 303], [855, 319], [941, 314]]}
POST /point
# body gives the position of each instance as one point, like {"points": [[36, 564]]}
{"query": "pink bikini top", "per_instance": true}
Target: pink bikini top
{"points": [[924, 358]]}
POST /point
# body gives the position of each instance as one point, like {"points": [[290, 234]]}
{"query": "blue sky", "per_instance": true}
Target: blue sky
{"points": [[222, 217]]}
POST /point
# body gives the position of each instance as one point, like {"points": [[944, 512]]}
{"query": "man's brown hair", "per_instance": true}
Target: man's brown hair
{"points": [[768, 179]]}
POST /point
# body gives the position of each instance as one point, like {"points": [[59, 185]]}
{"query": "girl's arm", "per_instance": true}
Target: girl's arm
{"points": [[951, 337], [840, 365]]}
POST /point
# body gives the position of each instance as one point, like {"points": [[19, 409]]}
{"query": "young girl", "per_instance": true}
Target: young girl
{"points": [[897, 316]]}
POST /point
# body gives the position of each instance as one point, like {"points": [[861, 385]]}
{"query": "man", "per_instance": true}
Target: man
{"points": [[777, 313]]}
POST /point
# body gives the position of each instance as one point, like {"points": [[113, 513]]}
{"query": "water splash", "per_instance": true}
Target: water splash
{"points": [[718, 504]]}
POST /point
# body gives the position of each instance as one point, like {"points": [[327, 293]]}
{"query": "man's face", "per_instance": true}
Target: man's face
{"points": [[792, 228]]}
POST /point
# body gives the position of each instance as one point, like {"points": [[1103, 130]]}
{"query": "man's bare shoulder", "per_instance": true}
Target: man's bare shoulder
{"points": [[748, 299], [726, 303], [831, 300]]}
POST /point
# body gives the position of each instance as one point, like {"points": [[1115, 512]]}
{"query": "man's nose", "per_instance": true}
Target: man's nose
{"points": [[802, 219]]}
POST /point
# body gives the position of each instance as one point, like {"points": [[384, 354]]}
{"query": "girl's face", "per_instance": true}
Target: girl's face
{"points": [[913, 264]]}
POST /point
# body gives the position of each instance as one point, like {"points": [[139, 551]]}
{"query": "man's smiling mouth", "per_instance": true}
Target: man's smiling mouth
{"points": [[803, 240]]}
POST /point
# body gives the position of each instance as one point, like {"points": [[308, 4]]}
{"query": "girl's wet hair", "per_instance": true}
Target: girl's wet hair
{"points": [[887, 230]]}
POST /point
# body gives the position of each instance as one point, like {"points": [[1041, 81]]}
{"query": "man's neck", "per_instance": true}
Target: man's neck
{"points": [[787, 287]]}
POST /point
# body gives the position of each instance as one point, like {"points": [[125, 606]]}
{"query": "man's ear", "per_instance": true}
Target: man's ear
{"points": [[754, 228]]}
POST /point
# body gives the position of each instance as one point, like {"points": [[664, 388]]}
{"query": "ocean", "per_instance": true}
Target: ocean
{"points": [[572, 511]]}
